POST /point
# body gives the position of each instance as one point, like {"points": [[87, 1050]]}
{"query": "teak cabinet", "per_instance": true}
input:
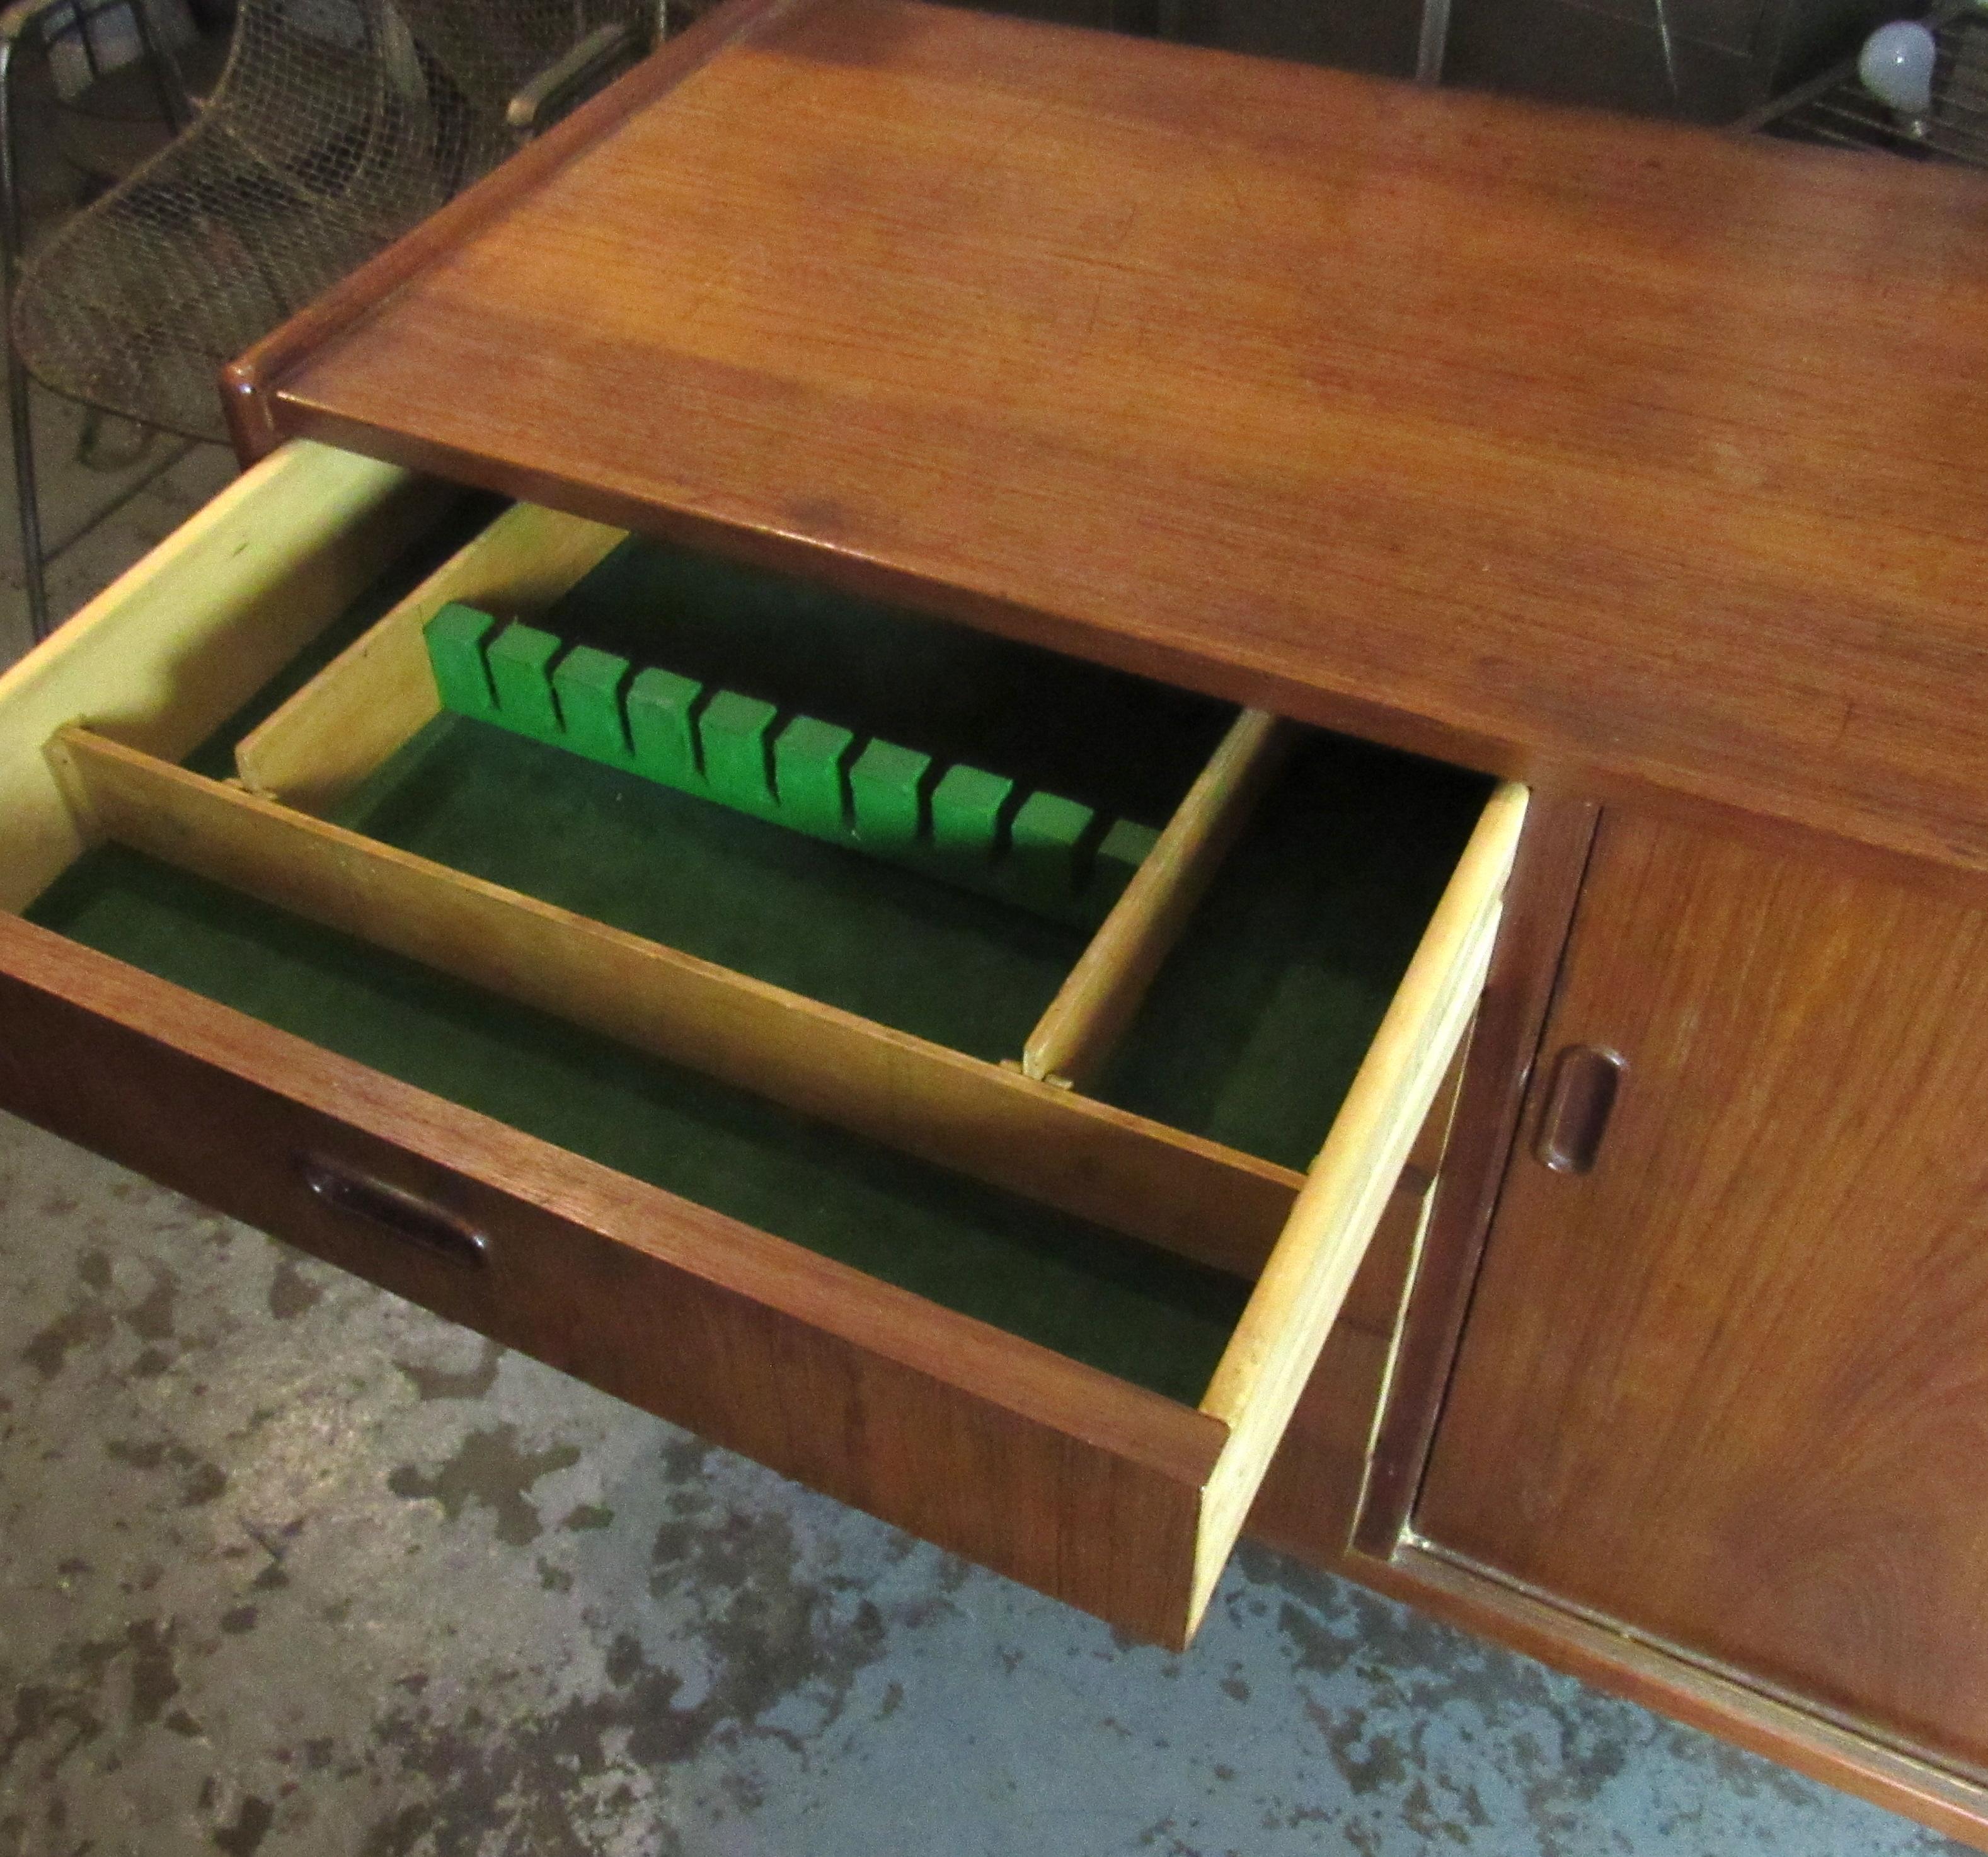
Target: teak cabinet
{"points": [[1729, 1387], [1516, 1141]]}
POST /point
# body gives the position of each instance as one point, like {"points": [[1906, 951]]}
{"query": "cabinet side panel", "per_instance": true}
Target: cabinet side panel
{"points": [[1306, 1503], [1539, 903], [1730, 1386]]}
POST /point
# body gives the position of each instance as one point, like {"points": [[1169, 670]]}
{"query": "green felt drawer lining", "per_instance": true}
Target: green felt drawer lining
{"points": [[1250, 1035], [1113, 1302]]}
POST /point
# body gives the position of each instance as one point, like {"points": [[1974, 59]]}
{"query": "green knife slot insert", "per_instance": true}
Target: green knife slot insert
{"points": [[963, 824]]}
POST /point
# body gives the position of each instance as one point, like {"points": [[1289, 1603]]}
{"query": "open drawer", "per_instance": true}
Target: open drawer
{"points": [[1051, 1313]]}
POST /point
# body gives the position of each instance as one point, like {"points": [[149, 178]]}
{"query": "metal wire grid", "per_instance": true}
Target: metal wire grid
{"points": [[1837, 110], [336, 127]]}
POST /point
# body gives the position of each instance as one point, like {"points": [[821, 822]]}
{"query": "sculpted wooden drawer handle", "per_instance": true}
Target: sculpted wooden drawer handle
{"points": [[1585, 1080], [360, 1197]]}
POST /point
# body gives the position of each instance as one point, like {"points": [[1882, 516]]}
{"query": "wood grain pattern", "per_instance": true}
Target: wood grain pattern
{"points": [[371, 699], [1731, 1387], [1077, 1034], [169, 650], [1204, 1201], [1264, 1369], [1622, 457], [1055, 1474]]}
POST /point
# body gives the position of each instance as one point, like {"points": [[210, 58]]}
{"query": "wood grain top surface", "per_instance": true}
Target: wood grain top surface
{"points": [[1614, 456]]}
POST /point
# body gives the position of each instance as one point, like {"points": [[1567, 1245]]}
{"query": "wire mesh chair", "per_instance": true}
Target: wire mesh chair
{"points": [[336, 125]]}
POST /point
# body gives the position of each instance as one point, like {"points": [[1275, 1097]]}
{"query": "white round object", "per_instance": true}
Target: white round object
{"points": [[1896, 66]]}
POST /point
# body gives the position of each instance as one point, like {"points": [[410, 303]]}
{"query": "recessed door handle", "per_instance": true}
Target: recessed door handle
{"points": [[358, 1195], [1586, 1080]]}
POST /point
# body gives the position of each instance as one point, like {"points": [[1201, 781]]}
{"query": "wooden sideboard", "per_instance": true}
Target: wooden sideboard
{"points": [[1624, 463]]}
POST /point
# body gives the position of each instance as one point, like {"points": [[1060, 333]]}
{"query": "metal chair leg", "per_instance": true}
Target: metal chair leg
{"points": [[168, 80], [34, 571], [34, 565], [15, 22]]}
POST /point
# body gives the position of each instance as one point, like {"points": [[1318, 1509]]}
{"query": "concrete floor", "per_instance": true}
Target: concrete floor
{"points": [[287, 1565]]}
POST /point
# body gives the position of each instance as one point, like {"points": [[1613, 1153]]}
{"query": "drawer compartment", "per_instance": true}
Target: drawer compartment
{"points": [[1060, 1475], [1057, 1329]]}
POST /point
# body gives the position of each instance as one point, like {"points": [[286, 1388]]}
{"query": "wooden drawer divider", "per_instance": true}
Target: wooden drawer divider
{"points": [[1192, 1196], [1074, 1037], [377, 694]]}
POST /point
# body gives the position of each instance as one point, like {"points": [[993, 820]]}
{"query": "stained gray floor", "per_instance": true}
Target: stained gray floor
{"points": [[287, 1565]]}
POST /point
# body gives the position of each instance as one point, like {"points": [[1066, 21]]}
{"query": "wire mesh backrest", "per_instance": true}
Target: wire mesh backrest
{"points": [[364, 88], [337, 126]]}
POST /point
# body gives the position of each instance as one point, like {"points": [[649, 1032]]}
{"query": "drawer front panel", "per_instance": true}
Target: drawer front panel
{"points": [[1067, 1478]]}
